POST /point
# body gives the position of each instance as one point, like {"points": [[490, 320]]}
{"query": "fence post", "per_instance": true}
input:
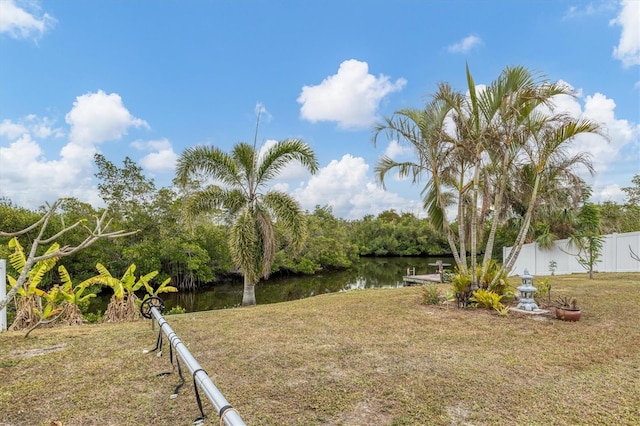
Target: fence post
{"points": [[3, 293]]}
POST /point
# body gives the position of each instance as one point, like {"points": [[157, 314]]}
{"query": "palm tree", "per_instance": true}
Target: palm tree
{"points": [[253, 210], [546, 152], [505, 107], [496, 123], [424, 130], [475, 145]]}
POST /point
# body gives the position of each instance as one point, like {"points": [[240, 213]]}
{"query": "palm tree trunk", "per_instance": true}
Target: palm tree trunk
{"points": [[524, 229], [454, 250], [497, 206], [462, 232], [488, 252], [249, 293], [474, 226]]}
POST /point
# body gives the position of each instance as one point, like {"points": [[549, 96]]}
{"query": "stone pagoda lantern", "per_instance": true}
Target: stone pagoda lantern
{"points": [[527, 290]]}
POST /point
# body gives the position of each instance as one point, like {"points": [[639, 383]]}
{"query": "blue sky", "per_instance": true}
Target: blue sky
{"points": [[147, 79]]}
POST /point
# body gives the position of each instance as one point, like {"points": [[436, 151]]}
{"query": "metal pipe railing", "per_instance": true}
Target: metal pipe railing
{"points": [[153, 307]]}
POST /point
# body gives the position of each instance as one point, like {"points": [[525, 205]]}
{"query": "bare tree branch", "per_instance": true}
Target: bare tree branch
{"points": [[634, 256], [41, 221], [98, 232], [64, 230]]}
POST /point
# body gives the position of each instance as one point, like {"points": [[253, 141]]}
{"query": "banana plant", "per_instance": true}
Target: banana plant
{"points": [[74, 294], [124, 303], [52, 299], [52, 306], [162, 288], [128, 284], [122, 287], [29, 309], [17, 259]]}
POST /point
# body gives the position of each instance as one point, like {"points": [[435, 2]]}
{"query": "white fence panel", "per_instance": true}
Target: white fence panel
{"points": [[3, 293], [616, 256]]}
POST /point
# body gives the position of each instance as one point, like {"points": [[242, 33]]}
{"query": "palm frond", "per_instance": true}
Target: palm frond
{"points": [[207, 200], [210, 161], [244, 246], [404, 169], [282, 153], [246, 159], [289, 217], [267, 238]]}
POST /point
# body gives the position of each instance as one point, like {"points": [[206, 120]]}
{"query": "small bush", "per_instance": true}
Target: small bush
{"points": [[176, 310], [502, 311], [430, 295], [461, 283], [543, 288], [487, 299], [93, 317]]}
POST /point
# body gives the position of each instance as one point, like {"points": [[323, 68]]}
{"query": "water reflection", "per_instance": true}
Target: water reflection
{"points": [[377, 272]]}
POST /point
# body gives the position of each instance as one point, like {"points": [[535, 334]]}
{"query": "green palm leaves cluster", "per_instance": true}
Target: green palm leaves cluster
{"points": [[587, 237], [236, 186], [487, 154]]}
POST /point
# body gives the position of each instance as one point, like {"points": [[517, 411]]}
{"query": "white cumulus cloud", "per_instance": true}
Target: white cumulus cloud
{"points": [[29, 178], [465, 45], [395, 150], [39, 127], [12, 130], [98, 117], [350, 97], [612, 192], [628, 49], [607, 156], [23, 22], [162, 158], [346, 186]]}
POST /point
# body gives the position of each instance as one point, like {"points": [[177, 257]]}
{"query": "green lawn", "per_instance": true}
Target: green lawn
{"points": [[365, 357]]}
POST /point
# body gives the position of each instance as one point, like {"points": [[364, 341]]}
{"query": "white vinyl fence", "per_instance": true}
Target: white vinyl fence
{"points": [[616, 256], [3, 292]]}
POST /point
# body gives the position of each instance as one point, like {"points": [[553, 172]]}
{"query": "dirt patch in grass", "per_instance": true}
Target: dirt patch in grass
{"points": [[28, 353], [367, 412], [357, 358]]}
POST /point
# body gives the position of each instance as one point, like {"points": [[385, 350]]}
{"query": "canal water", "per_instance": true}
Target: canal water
{"points": [[368, 272]]}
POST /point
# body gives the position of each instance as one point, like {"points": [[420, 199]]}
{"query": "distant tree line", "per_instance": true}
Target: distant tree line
{"points": [[494, 166], [196, 254]]}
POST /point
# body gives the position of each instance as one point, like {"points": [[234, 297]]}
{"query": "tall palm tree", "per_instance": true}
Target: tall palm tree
{"points": [[505, 106], [546, 151], [424, 129], [476, 145], [240, 190], [494, 120]]}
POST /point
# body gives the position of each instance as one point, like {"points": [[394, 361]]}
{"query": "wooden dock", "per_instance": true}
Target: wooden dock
{"points": [[421, 279], [412, 279]]}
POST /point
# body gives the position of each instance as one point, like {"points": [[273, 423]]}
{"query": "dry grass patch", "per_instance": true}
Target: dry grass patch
{"points": [[357, 358]]}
